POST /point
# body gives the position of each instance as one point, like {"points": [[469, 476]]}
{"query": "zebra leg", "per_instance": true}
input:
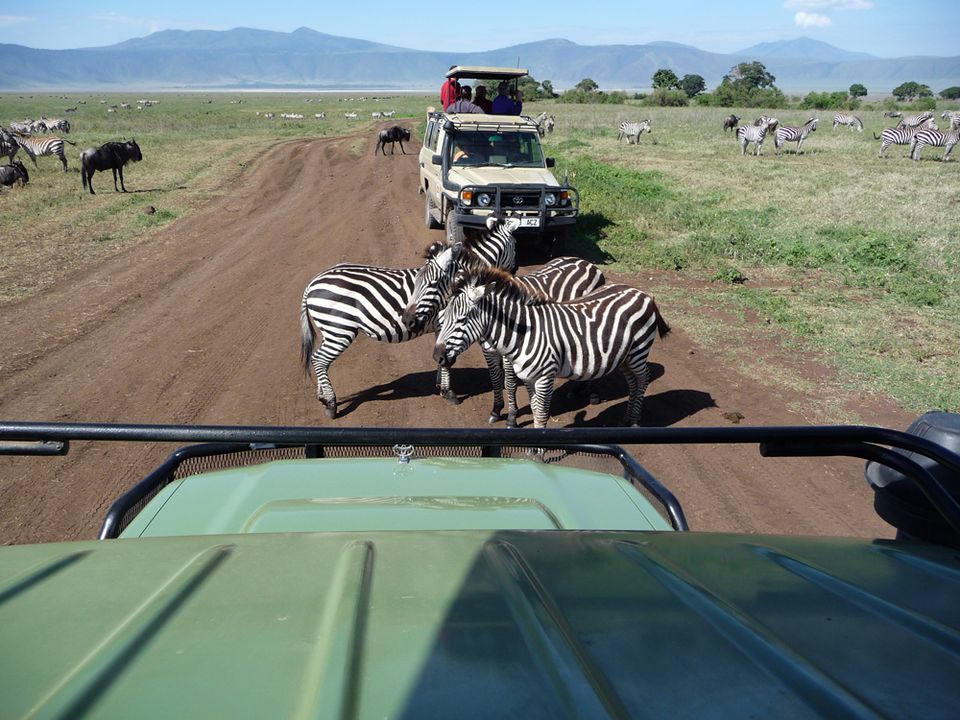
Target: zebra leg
{"points": [[541, 393], [330, 349], [637, 381], [443, 383], [495, 364], [510, 380], [946, 155]]}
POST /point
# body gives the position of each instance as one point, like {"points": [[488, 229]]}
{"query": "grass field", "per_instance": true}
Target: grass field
{"points": [[832, 254]]}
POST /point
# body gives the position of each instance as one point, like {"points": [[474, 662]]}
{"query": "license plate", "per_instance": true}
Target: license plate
{"points": [[530, 222]]}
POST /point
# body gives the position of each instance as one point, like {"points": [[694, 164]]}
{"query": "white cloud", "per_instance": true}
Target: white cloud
{"points": [[11, 20], [827, 5], [809, 20], [152, 25]]}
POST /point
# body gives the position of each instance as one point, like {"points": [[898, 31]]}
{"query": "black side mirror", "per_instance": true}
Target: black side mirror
{"points": [[551, 162], [436, 160]]}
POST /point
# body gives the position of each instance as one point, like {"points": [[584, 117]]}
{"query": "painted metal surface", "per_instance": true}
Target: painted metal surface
{"points": [[480, 624], [384, 494]]}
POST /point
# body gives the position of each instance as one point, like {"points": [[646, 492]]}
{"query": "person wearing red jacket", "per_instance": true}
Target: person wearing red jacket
{"points": [[449, 91]]}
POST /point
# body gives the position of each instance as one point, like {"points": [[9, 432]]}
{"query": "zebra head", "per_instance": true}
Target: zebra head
{"points": [[430, 286], [461, 322]]}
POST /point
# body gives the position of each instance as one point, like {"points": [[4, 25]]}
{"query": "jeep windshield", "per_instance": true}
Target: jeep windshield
{"points": [[508, 149]]}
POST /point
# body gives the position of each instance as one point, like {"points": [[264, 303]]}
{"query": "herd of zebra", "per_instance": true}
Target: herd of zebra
{"points": [[561, 321], [13, 140], [918, 131]]}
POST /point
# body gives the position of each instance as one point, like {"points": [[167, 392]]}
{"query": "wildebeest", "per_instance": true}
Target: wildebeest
{"points": [[111, 155], [14, 174], [396, 134], [731, 123]]}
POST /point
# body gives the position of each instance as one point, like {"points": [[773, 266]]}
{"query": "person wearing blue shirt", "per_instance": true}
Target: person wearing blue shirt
{"points": [[503, 104]]}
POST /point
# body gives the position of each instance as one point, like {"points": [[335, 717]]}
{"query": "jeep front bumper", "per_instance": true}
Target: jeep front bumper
{"points": [[540, 208]]}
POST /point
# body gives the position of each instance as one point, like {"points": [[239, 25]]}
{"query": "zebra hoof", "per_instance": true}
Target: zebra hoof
{"points": [[331, 411], [511, 421], [451, 398], [494, 418], [594, 399]]}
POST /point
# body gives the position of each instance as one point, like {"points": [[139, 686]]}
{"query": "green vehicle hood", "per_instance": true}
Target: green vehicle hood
{"points": [[482, 624], [367, 494]]}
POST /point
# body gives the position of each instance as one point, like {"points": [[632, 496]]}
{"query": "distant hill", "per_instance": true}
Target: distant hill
{"points": [[305, 58]]}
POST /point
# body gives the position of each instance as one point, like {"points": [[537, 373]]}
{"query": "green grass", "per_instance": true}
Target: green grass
{"points": [[833, 254]]}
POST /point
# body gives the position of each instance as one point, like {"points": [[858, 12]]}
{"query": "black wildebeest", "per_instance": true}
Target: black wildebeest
{"points": [[111, 155], [730, 123], [396, 134], [14, 174]]}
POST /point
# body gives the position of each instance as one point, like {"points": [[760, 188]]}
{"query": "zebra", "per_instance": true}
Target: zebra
{"points": [[631, 131], [771, 122], [952, 117], [852, 121], [549, 123], [893, 114], [38, 146], [563, 278], [755, 134], [901, 136], [788, 133], [540, 120], [915, 120], [611, 328], [347, 299], [935, 138], [8, 145]]}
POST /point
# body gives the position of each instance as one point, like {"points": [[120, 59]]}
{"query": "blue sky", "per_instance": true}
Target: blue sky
{"points": [[890, 28]]}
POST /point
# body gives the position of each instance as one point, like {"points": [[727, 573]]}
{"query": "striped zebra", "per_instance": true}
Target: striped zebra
{"points": [[851, 121], [632, 131], [38, 146], [347, 299], [915, 120], [611, 328], [563, 278], [952, 117], [935, 138], [901, 136], [788, 133], [8, 145], [770, 122], [755, 134]]}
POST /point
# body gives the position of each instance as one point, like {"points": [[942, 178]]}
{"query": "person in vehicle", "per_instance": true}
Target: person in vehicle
{"points": [[449, 91], [464, 104], [480, 99], [503, 104], [470, 150]]}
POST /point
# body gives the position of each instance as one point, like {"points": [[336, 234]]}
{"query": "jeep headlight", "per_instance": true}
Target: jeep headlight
{"points": [[550, 199], [484, 199]]}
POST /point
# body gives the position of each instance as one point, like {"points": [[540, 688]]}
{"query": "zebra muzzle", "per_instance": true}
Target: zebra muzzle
{"points": [[444, 359]]}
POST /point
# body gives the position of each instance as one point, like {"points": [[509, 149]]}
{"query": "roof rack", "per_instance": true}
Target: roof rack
{"points": [[479, 72]]}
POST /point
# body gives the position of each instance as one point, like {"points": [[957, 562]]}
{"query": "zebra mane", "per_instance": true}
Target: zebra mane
{"points": [[505, 283]]}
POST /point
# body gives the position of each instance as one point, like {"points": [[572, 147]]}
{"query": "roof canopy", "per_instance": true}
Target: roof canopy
{"points": [[486, 73]]}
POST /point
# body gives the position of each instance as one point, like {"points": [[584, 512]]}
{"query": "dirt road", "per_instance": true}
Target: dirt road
{"points": [[199, 325]]}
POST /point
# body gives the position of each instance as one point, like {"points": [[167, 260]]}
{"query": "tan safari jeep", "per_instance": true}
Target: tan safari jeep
{"points": [[475, 165]]}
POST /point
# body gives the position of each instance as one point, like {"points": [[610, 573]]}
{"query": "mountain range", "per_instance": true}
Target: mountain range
{"points": [[306, 59]]}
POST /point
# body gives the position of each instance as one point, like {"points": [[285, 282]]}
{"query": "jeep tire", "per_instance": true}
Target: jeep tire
{"points": [[430, 214]]}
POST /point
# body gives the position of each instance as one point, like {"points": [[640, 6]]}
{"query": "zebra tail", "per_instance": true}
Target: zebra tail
{"points": [[662, 328], [876, 137], [306, 336], [68, 141]]}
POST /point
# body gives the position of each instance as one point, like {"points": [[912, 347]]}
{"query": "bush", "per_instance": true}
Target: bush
{"points": [[662, 97], [829, 101]]}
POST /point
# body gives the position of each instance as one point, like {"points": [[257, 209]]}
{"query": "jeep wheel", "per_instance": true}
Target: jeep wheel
{"points": [[430, 216], [455, 233], [557, 243]]}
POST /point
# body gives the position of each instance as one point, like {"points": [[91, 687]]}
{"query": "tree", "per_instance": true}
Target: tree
{"points": [[666, 79], [548, 88], [752, 75], [951, 93], [909, 90], [857, 90], [587, 85], [693, 85]]}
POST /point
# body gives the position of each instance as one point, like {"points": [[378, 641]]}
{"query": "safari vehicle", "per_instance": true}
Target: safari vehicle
{"points": [[472, 165], [337, 572]]}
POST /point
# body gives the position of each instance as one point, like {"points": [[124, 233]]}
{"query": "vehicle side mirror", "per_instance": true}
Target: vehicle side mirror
{"points": [[551, 162], [436, 160]]}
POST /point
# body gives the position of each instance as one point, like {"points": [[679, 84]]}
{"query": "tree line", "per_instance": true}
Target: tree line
{"points": [[748, 84]]}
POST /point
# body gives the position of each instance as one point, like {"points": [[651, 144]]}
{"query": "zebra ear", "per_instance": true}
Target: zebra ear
{"points": [[492, 221], [446, 257], [511, 224], [475, 292]]}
